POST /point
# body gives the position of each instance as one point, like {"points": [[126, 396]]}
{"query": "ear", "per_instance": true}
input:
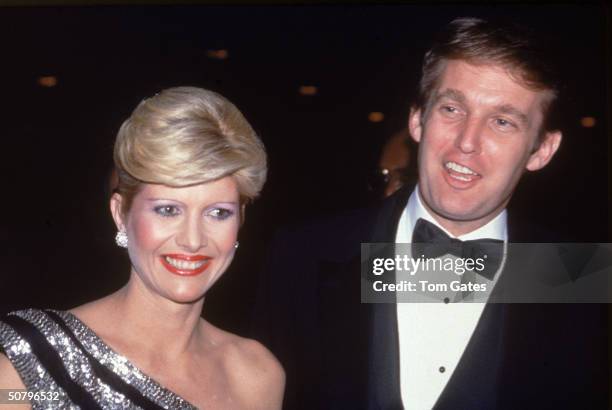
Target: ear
{"points": [[414, 124], [115, 207], [548, 147]]}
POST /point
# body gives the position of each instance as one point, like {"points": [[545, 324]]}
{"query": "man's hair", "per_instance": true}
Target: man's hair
{"points": [[502, 43]]}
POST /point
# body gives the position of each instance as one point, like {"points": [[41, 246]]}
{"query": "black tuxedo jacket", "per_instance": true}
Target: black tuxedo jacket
{"points": [[341, 354]]}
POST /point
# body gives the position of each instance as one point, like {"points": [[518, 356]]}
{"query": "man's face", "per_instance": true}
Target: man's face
{"points": [[475, 142]]}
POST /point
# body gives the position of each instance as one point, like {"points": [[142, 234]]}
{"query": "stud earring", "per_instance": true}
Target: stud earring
{"points": [[121, 239], [236, 245]]}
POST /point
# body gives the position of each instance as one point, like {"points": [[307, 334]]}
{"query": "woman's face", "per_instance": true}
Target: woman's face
{"points": [[181, 240]]}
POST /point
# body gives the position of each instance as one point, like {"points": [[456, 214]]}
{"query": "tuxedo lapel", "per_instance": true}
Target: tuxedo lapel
{"points": [[473, 384], [481, 365], [383, 353]]}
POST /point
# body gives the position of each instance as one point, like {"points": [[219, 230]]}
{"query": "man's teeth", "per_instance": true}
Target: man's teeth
{"points": [[459, 168], [187, 265]]}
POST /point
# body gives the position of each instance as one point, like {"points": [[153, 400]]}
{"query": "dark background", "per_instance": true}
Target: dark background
{"points": [[56, 233]]}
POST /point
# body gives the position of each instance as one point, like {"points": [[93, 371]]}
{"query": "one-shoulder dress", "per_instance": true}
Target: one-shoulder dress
{"points": [[60, 357]]}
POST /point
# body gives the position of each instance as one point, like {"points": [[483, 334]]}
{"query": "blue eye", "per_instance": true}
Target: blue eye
{"points": [[221, 213], [449, 111], [505, 124], [166, 210]]}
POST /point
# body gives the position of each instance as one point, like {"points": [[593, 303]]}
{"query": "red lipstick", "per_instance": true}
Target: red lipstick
{"points": [[188, 258]]}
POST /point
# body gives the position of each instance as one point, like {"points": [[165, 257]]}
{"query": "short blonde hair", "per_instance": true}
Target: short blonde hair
{"points": [[185, 136]]}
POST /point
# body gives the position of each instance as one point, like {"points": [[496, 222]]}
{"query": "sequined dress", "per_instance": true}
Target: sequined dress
{"points": [[53, 351]]}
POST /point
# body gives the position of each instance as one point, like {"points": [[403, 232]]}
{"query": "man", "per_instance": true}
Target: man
{"points": [[484, 116]]}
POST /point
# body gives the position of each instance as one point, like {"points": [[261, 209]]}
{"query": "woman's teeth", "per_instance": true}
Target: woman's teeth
{"points": [[184, 265]]}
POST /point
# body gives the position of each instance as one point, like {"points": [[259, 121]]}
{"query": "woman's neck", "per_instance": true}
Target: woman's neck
{"points": [[135, 319]]}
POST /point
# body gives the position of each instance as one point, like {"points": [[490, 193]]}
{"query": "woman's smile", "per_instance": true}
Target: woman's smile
{"points": [[185, 265]]}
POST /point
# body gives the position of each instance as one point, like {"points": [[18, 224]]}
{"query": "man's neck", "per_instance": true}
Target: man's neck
{"points": [[461, 228]]}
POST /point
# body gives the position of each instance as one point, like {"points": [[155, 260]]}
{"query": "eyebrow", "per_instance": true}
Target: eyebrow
{"points": [[153, 199], [515, 112], [508, 109], [452, 94]]}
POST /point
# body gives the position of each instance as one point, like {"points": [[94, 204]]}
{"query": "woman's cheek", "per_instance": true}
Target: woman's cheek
{"points": [[227, 236], [149, 233]]}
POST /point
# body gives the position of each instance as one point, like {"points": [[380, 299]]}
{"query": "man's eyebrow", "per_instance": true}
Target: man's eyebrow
{"points": [[456, 95], [515, 112], [451, 94]]}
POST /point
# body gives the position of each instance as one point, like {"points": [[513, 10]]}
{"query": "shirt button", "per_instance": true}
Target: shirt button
{"points": [[442, 369]]}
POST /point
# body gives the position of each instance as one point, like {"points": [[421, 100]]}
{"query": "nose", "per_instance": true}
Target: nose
{"points": [[191, 235], [469, 136]]}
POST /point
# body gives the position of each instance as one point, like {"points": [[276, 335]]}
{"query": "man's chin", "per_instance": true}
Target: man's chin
{"points": [[460, 213], [456, 208]]}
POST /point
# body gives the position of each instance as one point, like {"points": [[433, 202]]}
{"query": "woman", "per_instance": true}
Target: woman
{"points": [[187, 163]]}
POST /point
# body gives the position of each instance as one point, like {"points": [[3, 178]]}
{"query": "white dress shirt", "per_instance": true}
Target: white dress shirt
{"points": [[433, 336]]}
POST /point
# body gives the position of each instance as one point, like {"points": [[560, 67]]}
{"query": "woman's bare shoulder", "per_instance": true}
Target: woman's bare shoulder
{"points": [[92, 308], [99, 315], [9, 378], [255, 374]]}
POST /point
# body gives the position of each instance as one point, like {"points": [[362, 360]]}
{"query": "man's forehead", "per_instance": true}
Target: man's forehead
{"points": [[480, 70], [493, 83], [461, 68]]}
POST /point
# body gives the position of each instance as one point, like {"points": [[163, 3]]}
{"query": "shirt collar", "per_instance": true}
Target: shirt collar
{"points": [[494, 229]]}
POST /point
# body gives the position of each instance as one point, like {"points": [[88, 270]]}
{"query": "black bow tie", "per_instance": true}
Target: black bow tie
{"points": [[432, 242]]}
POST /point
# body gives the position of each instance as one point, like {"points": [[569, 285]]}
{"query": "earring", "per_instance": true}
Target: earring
{"points": [[121, 239], [236, 245]]}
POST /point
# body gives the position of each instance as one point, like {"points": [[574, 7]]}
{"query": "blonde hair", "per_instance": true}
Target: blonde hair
{"points": [[185, 136]]}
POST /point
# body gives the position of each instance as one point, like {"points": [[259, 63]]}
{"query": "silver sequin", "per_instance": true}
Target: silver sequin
{"points": [[78, 365], [33, 375]]}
